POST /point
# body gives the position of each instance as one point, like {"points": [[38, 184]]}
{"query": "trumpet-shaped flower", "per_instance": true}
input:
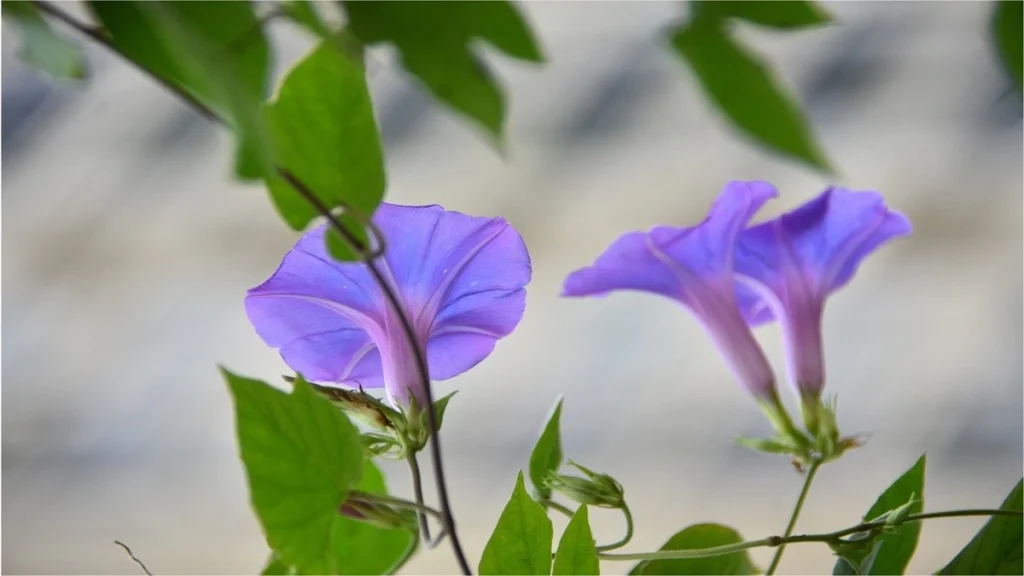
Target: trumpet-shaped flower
{"points": [[692, 266], [786, 267], [460, 279]]}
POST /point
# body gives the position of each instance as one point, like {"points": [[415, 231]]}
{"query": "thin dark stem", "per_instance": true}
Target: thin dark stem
{"points": [[132, 556], [100, 38], [73, 23], [435, 445], [794, 516], [417, 490]]}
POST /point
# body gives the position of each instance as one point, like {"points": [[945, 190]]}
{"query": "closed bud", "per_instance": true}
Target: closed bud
{"points": [[365, 508], [417, 432], [385, 446], [825, 432], [364, 408], [594, 490], [897, 516]]}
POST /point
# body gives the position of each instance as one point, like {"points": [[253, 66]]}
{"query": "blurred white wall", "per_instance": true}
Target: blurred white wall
{"points": [[127, 249]]}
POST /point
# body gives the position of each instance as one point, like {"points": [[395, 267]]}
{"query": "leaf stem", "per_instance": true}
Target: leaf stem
{"points": [[447, 519], [605, 547], [552, 504], [417, 490], [794, 516], [779, 541]]}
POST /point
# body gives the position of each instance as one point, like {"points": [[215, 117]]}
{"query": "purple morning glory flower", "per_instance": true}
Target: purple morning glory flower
{"points": [[693, 266], [461, 280], [786, 268]]}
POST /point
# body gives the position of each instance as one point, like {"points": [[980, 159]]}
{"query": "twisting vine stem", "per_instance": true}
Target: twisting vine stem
{"points": [[133, 557], [628, 517], [354, 243], [825, 538]]}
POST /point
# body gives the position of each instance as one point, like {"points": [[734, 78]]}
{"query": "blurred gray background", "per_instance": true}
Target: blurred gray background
{"points": [[127, 249]]}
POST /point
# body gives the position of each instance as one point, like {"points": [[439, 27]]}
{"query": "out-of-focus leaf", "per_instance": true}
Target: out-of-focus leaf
{"points": [[434, 40], [1008, 35], [746, 91], [361, 548], [521, 541], [547, 452], [302, 456], [893, 551], [998, 548], [782, 15], [304, 13], [697, 537], [41, 47], [275, 567], [358, 547], [576, 552], [212, 50], [323, 130]]}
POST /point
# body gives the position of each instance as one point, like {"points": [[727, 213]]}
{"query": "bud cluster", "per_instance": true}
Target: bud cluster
{"points": [[819, 442]]}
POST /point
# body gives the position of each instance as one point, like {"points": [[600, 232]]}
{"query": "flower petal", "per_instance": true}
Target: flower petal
{"points": [[666, 260], [436, 256], [818, 245], [319, 314], [453, 351], [346, 356], [628, 264], [308, 270], [460, 278], [692, 266], [785, 269]]}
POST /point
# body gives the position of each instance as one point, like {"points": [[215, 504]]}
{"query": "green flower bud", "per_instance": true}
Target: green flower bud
{"points": [[827, 441], [365, 508], [417, 432], [897, 516], [364, 408], [380, 445], [594, 490]]}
